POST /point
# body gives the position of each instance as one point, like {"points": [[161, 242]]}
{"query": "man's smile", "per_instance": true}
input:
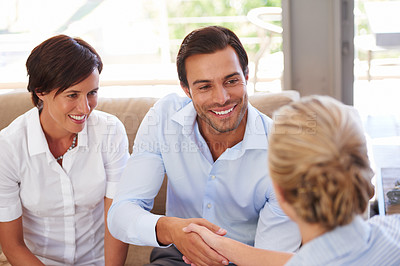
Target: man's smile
{"points": [[223, 112]]}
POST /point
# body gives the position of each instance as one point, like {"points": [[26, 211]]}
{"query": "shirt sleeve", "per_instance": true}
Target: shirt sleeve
{"points": [[116, 154], [129, 219], [10, 203], [275, 230]]}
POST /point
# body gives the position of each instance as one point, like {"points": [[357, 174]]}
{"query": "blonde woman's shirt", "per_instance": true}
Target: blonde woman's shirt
{"points": [[372, 242], [62, 207]]}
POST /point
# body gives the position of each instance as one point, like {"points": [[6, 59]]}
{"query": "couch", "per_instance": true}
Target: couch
{"points": [[131, 112]]}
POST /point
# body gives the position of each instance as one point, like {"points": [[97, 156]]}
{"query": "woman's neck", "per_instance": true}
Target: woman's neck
{"points": [[52, 132], [310, 231]]}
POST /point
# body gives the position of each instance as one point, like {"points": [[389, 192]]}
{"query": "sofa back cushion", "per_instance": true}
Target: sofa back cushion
{"points": [[132, 110]]}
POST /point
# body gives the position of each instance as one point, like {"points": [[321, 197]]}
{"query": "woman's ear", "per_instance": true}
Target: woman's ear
{"points": [[285, 205], [279, 193], [40, 95]]}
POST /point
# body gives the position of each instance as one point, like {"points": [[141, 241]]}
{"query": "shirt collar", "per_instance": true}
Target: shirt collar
{"points": [[37, 142], [255, 136], [83, 135], [339, 241], [186, 117]]}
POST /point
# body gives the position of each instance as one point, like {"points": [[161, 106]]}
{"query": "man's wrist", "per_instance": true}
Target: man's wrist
{"points": [[163, 235]]}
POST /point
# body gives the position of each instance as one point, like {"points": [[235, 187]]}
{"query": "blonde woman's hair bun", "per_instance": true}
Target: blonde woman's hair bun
{"points": [[318, 157]]}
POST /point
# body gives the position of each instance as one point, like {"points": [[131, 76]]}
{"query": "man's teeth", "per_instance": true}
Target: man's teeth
{"points": [[77, 117], [223, 112]]}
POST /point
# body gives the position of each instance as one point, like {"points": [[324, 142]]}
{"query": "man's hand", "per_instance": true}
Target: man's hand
{"points": [[170, 230], [209, 237]]}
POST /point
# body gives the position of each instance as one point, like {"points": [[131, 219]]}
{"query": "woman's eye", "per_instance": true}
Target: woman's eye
{"points": [[73, 95]]}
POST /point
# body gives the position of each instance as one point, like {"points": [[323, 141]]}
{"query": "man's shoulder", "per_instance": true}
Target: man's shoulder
{"points": [[258, 113], [258, 121], [171, 102]]}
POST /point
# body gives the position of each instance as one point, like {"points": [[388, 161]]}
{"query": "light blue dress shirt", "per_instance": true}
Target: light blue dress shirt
{"points": [[234, 192], [372, 242]]}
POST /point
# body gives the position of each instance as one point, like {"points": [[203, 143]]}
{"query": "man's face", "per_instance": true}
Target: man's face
{"points": [[218, 90]]}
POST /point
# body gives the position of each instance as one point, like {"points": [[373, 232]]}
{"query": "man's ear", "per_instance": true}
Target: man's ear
{"points": [[186, 90]]}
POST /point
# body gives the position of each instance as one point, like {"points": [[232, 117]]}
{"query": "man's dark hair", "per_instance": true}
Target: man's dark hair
{"points": [[209, 40]]}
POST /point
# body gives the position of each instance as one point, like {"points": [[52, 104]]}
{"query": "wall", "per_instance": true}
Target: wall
{"points": [[318, 47]]}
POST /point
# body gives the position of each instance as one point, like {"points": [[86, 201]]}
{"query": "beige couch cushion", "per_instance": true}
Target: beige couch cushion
{"points": [[132, 110], [13, 105]]}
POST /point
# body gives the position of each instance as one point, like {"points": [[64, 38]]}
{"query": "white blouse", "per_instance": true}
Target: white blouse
{"points": [[62, 207]]}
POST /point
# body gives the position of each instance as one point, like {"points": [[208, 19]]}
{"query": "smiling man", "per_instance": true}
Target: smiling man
{"points": [[213, 146]]}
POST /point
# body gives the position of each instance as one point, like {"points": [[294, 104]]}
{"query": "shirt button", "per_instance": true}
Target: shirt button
{"points": [[209, 205], [213, 177]]}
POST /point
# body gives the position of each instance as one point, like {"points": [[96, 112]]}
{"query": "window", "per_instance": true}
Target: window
{"points": [[137, 40]]}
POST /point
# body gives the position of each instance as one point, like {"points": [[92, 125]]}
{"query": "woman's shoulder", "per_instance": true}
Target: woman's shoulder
{"points": [[13, 142], [102, 122], [18, 125], [102, 118], [385, 239], [387, 222]]}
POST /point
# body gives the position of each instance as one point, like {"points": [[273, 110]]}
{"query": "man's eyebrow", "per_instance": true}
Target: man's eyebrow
{"points": [[201, 81], [207, 80], [231, 75]]}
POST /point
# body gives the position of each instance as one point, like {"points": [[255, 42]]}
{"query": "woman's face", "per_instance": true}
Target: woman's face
{"points": [[68, 111]]}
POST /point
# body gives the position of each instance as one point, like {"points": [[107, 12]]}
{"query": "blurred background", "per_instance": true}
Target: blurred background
{"points": [[348, 49], [137, 40]]}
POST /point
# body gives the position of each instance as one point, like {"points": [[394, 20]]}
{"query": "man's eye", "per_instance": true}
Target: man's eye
{"points": [[205, 87], [232, 82]]}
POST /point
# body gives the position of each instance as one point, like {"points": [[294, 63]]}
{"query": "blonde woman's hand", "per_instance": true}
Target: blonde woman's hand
{"points": [[170, 230], [212, 239]]}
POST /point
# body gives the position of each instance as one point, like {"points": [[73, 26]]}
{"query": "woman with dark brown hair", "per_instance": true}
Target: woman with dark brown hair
{"points": [[60, 163], [322, 177]]}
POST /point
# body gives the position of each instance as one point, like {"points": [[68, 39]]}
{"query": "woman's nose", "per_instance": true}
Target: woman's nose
{"points": [[84, 106]]}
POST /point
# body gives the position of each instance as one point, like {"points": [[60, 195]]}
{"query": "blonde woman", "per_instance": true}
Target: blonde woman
{"points": [[320, 169]]}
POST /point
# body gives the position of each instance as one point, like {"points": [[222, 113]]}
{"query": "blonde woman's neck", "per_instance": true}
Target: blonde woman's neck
{"points": [[310, 231]]}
